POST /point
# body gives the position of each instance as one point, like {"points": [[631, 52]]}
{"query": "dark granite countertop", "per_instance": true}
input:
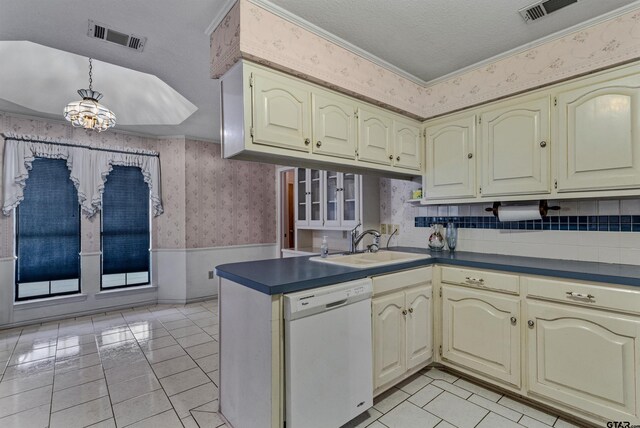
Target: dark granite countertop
{"points": [[278, 276]]}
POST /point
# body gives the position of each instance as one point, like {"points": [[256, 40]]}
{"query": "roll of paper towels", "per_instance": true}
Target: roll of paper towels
{"points": [[519, 212]]}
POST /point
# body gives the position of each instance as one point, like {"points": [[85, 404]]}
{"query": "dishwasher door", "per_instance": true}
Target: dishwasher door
{"points": [[328, 355]]}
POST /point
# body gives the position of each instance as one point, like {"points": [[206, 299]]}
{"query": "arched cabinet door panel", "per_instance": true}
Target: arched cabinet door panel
{"points": [[389, 338], [334, 126], [584, 358], [599, 136], [374, 137], [281, 113], [419, 326], [407, 146], [516, 149], [481, 332], [450, 168]]}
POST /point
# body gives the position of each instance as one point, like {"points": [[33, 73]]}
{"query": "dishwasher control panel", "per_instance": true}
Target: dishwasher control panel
{"points": [[308, 302]]}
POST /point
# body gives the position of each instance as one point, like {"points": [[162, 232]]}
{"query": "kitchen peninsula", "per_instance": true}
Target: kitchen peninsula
{"points": [[518, 307]]}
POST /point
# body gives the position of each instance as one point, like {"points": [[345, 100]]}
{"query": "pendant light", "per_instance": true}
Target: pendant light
{"points": [[88, 113]]}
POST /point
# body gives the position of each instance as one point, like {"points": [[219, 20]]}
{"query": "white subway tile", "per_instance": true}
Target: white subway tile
{"points": [[588, 207], [588, 254], [611, 207], [453, 211], [608, 255], [630, 207], [630, 256], [443, 210], [464, 210]]}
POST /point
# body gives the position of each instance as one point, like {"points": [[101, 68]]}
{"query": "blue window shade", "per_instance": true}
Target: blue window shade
{"points": [[125, 222], [48, 225]]}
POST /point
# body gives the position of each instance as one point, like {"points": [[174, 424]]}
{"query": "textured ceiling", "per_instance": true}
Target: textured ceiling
{"points": [[427, 38], [177, 50], [432, 38]]}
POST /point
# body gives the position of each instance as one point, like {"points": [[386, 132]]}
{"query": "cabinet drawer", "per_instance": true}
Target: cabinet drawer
{"points": [[600, 296], [399, 280], [482, 279]]}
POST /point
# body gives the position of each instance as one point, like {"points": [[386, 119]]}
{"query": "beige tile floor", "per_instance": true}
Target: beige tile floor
{"points": [[157, 367]]}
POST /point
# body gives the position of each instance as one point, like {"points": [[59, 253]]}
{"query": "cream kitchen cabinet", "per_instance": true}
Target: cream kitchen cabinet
{"points": [[598, 135], [583, 347], [402, 325], [375, 136], [585, 359], [407, 151], [450, 159], [273, 117], [481, 332], [515, 148], [309, 197], [334, 126], [282, 113]]}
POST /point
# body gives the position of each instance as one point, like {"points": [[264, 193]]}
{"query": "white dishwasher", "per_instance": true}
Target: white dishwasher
{"points": [[328, 354]]}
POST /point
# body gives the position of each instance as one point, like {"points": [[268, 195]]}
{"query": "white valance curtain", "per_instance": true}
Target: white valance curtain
{"points": [[88, 167]]}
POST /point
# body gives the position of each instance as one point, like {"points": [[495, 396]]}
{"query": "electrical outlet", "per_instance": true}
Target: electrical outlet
{"points": [[395, 228], [211, 274], [383, 229]]}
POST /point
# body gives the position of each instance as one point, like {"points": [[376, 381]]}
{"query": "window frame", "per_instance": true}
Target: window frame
{"points": [[140, 284], [17, 298]]}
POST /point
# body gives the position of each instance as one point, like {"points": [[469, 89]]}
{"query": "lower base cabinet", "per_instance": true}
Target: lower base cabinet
{"points": [[481, 332], [402, 333], [585, 358]]}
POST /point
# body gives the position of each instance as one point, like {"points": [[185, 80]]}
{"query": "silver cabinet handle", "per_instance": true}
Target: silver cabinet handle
{"points": [[474, 281], [319, 143], [514, 320], [307, 141], [470, 155], [580, 295], [530, 323], [543, 144]]}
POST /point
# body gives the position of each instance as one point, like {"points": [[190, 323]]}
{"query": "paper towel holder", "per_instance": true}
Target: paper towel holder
{"points": [[543, 207]]}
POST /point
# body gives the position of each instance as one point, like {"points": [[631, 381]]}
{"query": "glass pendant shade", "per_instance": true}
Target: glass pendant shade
{"points": [[88, 113]]}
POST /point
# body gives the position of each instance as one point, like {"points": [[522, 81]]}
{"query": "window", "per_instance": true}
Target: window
{"points": [[125, 229], [48, 233]]}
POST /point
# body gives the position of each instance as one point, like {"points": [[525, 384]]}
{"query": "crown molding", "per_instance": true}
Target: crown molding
{"points": [[226, 7], [283, 13], [295, 19]]}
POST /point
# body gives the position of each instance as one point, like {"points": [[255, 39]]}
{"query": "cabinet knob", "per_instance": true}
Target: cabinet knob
{"points": [[470, 155], [530, 323], [318, 143], [404, 312], [398, 158], [390, 157], [514, 320], [307, 141], [410, 310], [543, 144]]}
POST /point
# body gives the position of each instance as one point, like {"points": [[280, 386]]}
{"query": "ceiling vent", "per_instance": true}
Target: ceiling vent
{"points": [[543, 8], [101, 31]]}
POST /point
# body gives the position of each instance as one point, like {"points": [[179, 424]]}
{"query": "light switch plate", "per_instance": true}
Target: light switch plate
{"points": [[383, 229], [395, 227], [211, 274]]}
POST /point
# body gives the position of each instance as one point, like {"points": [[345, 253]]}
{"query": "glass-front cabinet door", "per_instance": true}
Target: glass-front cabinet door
{"points": [[301, 197], [315, 197], [349, 189], [332, 201]]}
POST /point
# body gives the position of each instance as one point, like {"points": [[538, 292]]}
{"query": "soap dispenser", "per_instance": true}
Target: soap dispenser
{"points": [[324, 248]]}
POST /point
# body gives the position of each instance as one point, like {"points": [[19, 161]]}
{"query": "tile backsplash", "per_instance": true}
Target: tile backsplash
{"points": [[587, 230]]}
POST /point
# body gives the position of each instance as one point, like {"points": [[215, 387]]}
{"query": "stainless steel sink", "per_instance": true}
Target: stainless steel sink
{"points": [[369, 260]]}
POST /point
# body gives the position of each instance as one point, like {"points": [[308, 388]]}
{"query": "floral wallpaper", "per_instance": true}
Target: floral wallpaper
{"points": [[208, 201], [230, 202], [266, 38]]}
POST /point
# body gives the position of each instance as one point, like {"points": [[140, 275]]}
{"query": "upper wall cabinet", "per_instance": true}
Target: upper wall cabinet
{"points": [[374, 142], [450, 159], [516, 149], [281, 113], [268, 116], [599, 136], [334, 126], [408, 146]]}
